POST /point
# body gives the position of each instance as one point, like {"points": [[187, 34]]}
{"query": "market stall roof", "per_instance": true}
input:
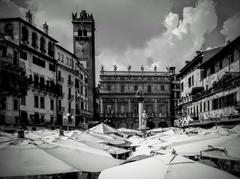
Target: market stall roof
{"points": [[164, 167], [23, 158]]}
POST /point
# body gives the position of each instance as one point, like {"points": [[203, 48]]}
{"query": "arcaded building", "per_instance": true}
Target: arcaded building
{"points": [[119, 105]]}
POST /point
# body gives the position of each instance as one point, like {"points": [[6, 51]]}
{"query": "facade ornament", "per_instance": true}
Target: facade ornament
{"points": [[129, 68], [102, 69], [142, 68], [155, 68], [115, 68]]}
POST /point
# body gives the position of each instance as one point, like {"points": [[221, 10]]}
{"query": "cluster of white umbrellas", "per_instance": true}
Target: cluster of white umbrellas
{"points": [[160, 155]]}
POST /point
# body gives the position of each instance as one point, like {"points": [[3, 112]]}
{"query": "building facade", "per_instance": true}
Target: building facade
{"points": [[84, 49], [210, 85], [72, 103], [37, 54], [118, 101], [57, 82]]}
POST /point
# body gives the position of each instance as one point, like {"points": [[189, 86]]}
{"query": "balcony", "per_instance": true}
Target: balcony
{"points": [[70, 97], [60, 80], [70, 83], [12, 63]]}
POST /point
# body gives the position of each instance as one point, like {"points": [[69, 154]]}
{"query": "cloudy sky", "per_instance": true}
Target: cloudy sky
{"points": [[139, 32]]}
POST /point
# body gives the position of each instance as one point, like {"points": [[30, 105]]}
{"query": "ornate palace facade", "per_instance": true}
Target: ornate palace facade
{"points": [[119, 105]]}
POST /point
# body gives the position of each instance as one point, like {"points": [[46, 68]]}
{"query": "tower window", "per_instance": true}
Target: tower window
{"points": [[79, 32], [84, 32]]}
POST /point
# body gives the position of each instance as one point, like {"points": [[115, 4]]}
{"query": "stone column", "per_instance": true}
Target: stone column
{"points": [[116, 106], [101, 105], [129, 105], [155, 105], [140, 111]]}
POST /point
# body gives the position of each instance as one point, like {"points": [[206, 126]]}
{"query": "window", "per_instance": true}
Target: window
{"points": [[51, 104], [59, 104], [24, 34], [135, 88], [34, 40], [208, 105], [69, 91], [52, 67], [149, 89], [36, 101], [42, 103], [59, 75], [39, 62], [82, 105], [23, 55], [162, 87], [76, 83], [122, 88], [84, 32], [80, 32], [69, 107], [86, 92], [50, 49], [231, 57], [220, 64], [23, 100], [59, 55], [62, 60], [182, 86], [108, 87], [43, 45], [192, 81], [81, 90], [15, 104], [8, 29]]}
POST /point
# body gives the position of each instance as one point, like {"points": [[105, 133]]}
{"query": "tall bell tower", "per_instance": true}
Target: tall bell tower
{"points": [[84, 49]]}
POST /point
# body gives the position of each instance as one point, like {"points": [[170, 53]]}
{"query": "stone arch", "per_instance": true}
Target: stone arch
{"points": [[134, 125], [150, 125], [122, 125], [162, 124]]}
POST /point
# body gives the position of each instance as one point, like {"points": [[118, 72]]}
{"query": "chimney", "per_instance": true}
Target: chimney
{"points": [[186, 62], [45, 28], [29, 17], [171, 70]]}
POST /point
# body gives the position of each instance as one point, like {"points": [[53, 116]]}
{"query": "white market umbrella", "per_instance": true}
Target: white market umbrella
{"points": [[227, 150], [80, 159], [23, 157], [164, 167]]}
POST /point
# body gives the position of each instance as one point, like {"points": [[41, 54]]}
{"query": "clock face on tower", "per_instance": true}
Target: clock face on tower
{"points": [[82, 49]]}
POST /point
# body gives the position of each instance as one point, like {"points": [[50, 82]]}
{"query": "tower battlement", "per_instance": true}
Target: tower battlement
{"points": [[82, 16]]}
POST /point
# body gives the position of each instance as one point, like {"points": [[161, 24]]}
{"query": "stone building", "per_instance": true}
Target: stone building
{"points": [[37, 54], [13, 82], [210, 85], [84, 49], [57, 82], [72, 102], [119, 105]]}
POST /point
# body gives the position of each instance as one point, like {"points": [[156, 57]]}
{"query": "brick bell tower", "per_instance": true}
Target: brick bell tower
{"points": [[84, 49]]}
